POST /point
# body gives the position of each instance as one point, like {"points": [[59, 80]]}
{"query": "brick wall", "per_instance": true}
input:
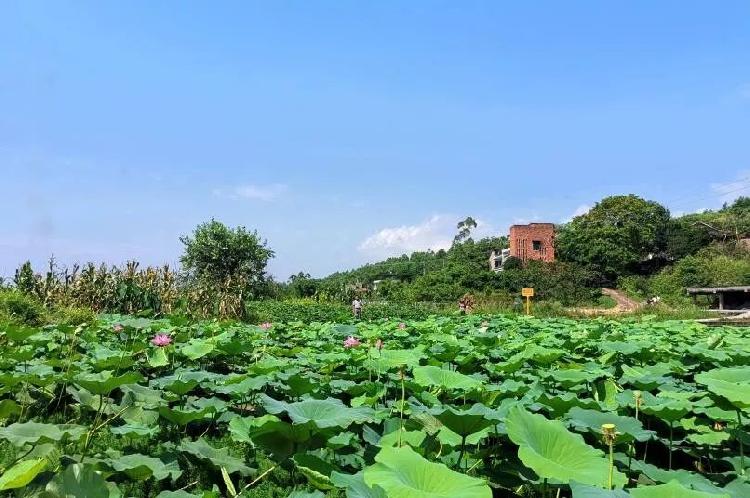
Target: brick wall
{"points": [[535, 241]]}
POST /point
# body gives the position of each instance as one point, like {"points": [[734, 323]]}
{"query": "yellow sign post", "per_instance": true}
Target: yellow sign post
{"points": [[528, 293]]}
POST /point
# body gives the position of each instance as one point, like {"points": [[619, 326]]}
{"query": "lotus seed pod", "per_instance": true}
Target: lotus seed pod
{"points": [[609, 433]]}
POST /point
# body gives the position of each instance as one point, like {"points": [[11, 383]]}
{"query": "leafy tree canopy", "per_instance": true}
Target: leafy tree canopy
{"points": [[616, 236], [223, 256]]}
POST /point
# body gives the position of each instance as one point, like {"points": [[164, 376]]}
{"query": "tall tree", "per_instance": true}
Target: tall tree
{"points": [[618, 235], [233, 259], [464, 228]]}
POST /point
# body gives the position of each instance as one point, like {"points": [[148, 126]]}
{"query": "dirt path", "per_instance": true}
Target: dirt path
{"points": [[624, 304]]}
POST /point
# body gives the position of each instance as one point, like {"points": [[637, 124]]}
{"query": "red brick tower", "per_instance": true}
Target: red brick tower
{"points": [[535, 241]]}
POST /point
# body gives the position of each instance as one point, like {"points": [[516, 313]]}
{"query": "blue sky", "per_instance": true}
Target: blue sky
{"points": [[348, 131]]}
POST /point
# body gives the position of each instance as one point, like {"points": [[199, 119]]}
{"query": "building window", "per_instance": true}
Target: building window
{"points": [[536, 245]]}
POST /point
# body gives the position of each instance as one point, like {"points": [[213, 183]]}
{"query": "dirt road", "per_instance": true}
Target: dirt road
{"points": [[624, 304]]}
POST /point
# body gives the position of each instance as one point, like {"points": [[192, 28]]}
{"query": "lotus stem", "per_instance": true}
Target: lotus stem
{"points": [[401, 419], [463, 450], [671, 438], [609, 432], [739, 438]]}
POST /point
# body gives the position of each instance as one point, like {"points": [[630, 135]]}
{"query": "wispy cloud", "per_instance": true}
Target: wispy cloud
{"points": [[264, 193], [435, 233], [744, 91], [729, 191], [580, 211]]}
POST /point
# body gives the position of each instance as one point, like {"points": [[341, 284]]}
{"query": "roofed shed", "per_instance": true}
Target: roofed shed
{"points": [[729, 298]]}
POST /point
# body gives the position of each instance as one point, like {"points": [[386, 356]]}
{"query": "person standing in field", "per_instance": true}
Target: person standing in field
{"points": [[357, 308]]}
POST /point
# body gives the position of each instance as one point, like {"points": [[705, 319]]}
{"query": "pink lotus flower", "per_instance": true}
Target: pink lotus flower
{"points": [[266, 325], [351, 342], [118, 328], [402, 325], [379, 344], [161, 340]]}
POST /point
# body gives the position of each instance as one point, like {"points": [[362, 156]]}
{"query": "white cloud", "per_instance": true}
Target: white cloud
{"points": [[264, 193], [580, 211], [729, 191], [434, 233]]}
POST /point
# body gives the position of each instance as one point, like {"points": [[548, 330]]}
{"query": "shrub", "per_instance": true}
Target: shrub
{"points": [[20, 308], [74, 316]]}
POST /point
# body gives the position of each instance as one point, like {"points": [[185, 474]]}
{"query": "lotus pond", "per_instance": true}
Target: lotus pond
{"points": [[459, 407]]}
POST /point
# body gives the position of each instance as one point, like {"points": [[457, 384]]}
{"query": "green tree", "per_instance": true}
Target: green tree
{"points": [[230, 259], [302, 285], [617, 236], [464, 228], [25, 279]]}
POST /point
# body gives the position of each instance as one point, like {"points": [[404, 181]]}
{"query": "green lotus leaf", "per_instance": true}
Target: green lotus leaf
{"points": [[306, 494], [142, 395], [216, 457], [542, 355], [183, 381], [77, 481], [197, 348], [355, 486], [139, 415], [178, 494], [387, 359], [330, 412], [8, 408], [104, 382], [449, 438], [465, 422], [570, 378], [183, 416], [341, 440], [317, 471], [429, 376], [628, 428], [585, 491], [669, 410], [142, 467], [412, 438], [21, 473], [19, 333], [690, 480], [278, 438], [243, 387], [672, 489], [733, 384], [560, 404], [135, 430], [550, 450], [20, 434], [714, 438], [402, 473], [157, 357]]}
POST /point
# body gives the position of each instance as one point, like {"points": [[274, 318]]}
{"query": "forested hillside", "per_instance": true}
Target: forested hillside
{"points": [[623, 241]]}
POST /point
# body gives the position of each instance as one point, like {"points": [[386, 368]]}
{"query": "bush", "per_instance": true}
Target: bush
{"points": [[74, 316], [19, 308]]}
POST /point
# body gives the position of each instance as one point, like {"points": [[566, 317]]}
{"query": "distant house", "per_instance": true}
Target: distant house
{"points": [[535, 241], [497, 258]]}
